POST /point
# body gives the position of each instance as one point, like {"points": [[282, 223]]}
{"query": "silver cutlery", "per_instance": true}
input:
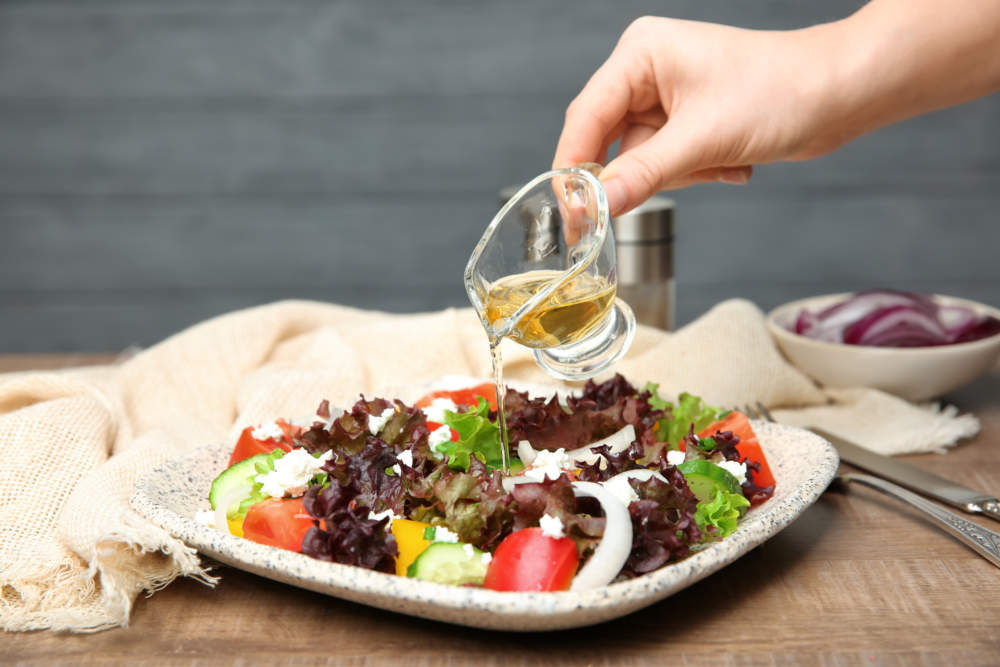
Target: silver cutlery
{"points": [[983, 541]]}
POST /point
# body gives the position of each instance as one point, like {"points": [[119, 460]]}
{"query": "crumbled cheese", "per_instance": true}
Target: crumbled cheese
{"points": [[382, 515], [737, 469], [486, 557], [552, 526], [205, 518], [406, 458], [442, 534], [435, 411], [268, 431], [675, 457], [469, 550], [619, 487], [548, 465], [396, 469], [377, 423], [292, 473], [438, 437]]}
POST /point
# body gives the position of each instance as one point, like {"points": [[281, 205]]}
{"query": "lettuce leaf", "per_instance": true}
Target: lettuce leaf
{"points": [[476, 435], [718, 517], [690, 409]]}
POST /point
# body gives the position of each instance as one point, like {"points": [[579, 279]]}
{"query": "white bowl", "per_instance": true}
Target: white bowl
{"points": [[914, 373]]}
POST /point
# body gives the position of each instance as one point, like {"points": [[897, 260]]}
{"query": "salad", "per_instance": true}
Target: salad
{"points": [[605, 486]]}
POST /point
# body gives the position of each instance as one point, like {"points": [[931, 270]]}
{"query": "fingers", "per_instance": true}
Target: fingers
{"points": [[595, 117]]}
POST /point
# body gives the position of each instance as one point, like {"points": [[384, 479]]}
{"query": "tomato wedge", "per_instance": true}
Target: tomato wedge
{"points": [[279, 522], [468, 396], [748, 446], [530, 560], [248, 446]]}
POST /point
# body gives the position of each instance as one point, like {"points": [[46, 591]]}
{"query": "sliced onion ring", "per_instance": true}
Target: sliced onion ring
{"points": [[615, 545], [234, 496], [617, 441]]}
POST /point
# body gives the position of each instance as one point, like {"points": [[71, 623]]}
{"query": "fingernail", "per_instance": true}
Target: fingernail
{"points": [[734, 176], [617, 195]]}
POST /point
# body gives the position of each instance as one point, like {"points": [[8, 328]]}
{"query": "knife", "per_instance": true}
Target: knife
{"points": [[914, 478]]}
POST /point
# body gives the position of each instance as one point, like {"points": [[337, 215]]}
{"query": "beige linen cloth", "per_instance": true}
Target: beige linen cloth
{"points": [[74, 556]]}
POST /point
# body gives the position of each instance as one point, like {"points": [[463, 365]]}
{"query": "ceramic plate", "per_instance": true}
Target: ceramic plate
{"points": [[803, 464]]}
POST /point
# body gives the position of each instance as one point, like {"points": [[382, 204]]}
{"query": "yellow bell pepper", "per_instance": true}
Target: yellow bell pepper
{"points": [[410, 541], [236, 526]]}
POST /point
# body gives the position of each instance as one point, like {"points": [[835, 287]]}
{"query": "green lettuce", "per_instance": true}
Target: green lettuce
{"points": [[718, 517], [476, 435], [690, 409]]}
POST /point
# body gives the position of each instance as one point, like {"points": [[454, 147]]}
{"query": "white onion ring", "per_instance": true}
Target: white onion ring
{"points": [[225, 502], [615, 545], [618, 442]]}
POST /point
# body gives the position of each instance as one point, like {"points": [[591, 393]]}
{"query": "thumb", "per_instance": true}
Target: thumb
{"points": [[642, 171]]}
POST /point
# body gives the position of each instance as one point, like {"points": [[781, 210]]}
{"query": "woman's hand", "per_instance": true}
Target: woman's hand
{"points": [[698, 102]]}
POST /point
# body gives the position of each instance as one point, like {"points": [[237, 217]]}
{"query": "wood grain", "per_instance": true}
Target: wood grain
{"points": [[857, 579]]}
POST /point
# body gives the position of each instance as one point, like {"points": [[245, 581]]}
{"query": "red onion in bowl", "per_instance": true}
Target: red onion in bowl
{"points": [[891, 318]]}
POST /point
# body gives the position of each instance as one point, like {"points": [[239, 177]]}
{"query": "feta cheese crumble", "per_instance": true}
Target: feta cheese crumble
{"points": [[435, 411], [469, 550], [382, 515], [675, 457], [268, 431], [619, 487], [548, 465], [486, 558], [292, 473], [438, 437], [377, 423], [442, 534], [405, 457], [552, 526], [737, 469], [205, 518]]}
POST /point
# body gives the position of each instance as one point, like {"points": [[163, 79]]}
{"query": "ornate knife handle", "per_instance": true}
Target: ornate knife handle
{"points": [[981, 540]]}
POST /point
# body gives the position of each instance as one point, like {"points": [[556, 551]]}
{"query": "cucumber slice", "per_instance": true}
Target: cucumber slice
{"points": [[239, 474], [450, 563], [704, 477]]}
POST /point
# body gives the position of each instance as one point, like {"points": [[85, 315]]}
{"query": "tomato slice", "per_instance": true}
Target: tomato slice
{"points": [[748, 446], [467, 396], [248, 446], [530, 560], [279, 522]]}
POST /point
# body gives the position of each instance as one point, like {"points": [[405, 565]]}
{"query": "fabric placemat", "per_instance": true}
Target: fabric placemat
{"points": [[74, 556]]}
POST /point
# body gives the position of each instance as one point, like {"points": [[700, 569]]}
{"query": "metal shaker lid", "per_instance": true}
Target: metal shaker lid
{"points": [[650, 222]]}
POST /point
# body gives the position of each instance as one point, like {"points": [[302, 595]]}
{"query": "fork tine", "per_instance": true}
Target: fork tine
{"points": [[763, 410], [750, 411]]}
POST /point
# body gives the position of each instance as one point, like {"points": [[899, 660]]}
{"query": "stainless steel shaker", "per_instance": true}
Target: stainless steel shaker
{"points": [[644, 239]]}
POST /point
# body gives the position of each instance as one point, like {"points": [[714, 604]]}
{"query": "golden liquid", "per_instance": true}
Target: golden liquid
{"points": [[568, 315]]}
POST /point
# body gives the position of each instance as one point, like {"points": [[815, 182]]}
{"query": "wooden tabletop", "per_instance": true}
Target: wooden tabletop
{"points": [[857, 579]]}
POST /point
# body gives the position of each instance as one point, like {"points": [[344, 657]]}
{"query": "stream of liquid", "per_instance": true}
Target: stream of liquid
{"points": [[501, 394]]}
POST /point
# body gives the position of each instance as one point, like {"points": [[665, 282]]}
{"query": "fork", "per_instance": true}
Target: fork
{"points": [[983, 541]]}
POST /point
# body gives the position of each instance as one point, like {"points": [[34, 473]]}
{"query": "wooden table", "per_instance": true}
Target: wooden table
{"points": [[857, 579]]}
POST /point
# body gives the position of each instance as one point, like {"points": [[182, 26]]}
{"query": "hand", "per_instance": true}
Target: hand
{"points": [[693, 103]]}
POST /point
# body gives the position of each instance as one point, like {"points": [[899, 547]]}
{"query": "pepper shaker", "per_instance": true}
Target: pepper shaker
{"points": [[644, 238]]}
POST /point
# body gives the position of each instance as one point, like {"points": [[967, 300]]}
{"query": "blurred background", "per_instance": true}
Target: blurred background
{"points": [[163, 162]]}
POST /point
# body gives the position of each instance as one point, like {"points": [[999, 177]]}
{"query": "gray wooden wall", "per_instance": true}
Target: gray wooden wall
{"points": [[164, 161]]}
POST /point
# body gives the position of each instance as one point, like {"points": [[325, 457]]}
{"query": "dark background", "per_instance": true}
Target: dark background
{"points": [[165, 161]]}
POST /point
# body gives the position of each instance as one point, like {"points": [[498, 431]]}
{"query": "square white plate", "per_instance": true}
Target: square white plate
{"points": [[803, 465]]}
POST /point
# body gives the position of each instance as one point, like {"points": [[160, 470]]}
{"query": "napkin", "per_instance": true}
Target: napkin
{"points": [[73, 554]]}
